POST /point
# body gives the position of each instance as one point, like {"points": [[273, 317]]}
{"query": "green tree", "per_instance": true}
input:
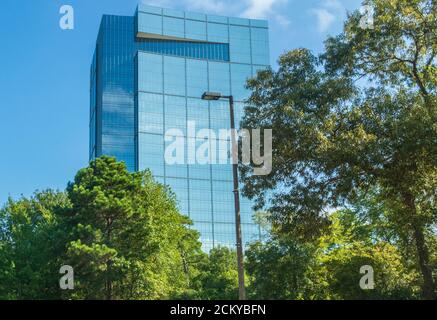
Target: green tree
{"points": [[350, 243], [329, 267], [277, 269], [122, 234], [361, 115], [218, 276], [127, 239], [30, 246]]}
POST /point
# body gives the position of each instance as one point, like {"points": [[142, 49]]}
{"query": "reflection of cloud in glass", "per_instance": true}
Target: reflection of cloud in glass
{"points": [[253, 9]]}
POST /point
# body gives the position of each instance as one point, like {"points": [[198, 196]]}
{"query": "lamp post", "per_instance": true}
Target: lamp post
{"points": [[216, 96]]}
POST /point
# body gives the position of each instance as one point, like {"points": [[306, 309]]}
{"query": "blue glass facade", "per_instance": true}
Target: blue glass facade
{"points": [[147, 76]]}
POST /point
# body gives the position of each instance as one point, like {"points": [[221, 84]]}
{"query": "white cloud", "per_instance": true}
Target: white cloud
{"points": [[324, 19], [334, 5], [214, 6], [255, 9], [259, 8], [328, 13], [282, 20]]}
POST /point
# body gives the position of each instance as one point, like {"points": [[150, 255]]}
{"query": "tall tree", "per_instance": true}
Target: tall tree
{"points": [[361, 115], [127, 238]]}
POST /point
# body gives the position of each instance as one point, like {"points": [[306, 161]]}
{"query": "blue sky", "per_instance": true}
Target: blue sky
{"points": [[44, 75]]}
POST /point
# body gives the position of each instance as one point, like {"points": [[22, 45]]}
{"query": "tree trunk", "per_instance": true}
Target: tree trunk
{"points": [[423, 254], [422, 249]]}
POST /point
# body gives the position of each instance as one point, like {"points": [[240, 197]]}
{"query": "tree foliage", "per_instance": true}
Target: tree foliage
{"points": [[124, 238], [353, 183], [360, 116], [277, 269], [120, 231], [218, 276], [329, 268], [29, 246], [128, 226]]}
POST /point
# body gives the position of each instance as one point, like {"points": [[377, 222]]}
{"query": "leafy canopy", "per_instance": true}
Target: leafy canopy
{"points": [[361, 116]]}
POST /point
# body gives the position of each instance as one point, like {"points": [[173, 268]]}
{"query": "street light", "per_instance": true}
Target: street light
{"points": [[212, 96]]}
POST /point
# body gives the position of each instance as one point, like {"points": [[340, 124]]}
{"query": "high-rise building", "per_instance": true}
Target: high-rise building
{"points": [[148, 75]]}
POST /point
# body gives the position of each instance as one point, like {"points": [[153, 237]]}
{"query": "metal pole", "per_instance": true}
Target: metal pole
{"points": [[240, 262]]}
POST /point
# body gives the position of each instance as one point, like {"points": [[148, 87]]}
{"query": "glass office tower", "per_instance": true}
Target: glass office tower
{"points": [[147, 77]]}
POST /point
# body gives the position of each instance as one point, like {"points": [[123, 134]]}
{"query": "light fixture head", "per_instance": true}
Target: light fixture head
{"points": [[211, 96]]}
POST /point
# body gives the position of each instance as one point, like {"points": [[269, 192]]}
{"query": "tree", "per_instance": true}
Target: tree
{"points": [[30, 245], [329, 267], [121, 233], [334, 139], [352, 243], [278, 268], [127, 239], [218, 276]]}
